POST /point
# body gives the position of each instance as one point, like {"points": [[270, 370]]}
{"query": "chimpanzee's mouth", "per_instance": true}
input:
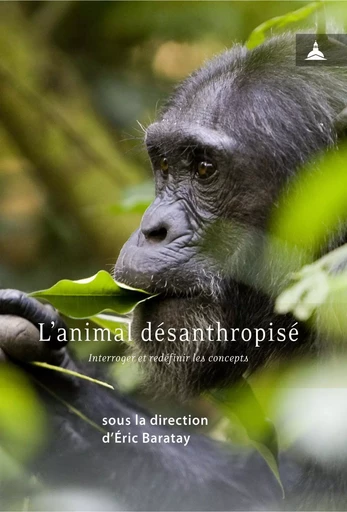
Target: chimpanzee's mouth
{"points": [[164, 290], [167, 291]]}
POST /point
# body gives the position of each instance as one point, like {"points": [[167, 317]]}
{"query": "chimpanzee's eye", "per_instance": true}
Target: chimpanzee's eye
{"points": [[205, 170], [164, 166]]}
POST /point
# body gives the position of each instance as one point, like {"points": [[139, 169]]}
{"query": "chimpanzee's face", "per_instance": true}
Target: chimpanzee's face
{"points": [[221, 153]]}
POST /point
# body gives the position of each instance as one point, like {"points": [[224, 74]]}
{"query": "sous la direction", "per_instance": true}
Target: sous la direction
{"points": [[128, 438]]}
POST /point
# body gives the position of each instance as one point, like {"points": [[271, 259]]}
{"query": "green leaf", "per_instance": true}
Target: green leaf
{"points": [[315, 286], [305, 296], [88, 297], [258, 36], [241, 402], [271, 461], [315, 203], [113, 323], [71, 372], [71, 408], [22, 419]]}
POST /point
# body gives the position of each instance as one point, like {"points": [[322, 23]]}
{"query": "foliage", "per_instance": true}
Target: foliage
{"points": [[22, 419], [315, 285], [258, 35], [240, 402], [88, 297], [315, 204]]}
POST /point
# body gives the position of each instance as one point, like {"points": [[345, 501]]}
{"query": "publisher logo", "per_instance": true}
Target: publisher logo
{"points": [[321, 50], [315, 53]]}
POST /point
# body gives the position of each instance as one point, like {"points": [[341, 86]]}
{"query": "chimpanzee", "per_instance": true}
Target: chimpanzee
{"points": [[223, 150]]}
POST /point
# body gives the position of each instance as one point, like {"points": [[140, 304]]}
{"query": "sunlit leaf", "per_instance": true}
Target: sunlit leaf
{"points": [[71, 408], [88, 297], [315, 203], [71, 372], [10, 469], [113, 323], [310, 407], [22, 420], [241, 402], [303, 298], [316, 286], [270, 459], [259, 34]]}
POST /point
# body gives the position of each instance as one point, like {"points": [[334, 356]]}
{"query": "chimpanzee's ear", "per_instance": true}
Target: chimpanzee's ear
{"points": [[341, 124]]}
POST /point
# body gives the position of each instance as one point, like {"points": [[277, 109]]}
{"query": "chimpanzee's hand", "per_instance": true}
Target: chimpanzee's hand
{"points": [[20, 339]]}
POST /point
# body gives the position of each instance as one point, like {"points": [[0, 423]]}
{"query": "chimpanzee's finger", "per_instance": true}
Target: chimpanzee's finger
{"points": [[14, 302]]}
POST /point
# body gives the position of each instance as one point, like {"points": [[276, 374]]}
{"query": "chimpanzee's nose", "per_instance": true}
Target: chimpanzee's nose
{"points": [[155, 232], [162, 222]]}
